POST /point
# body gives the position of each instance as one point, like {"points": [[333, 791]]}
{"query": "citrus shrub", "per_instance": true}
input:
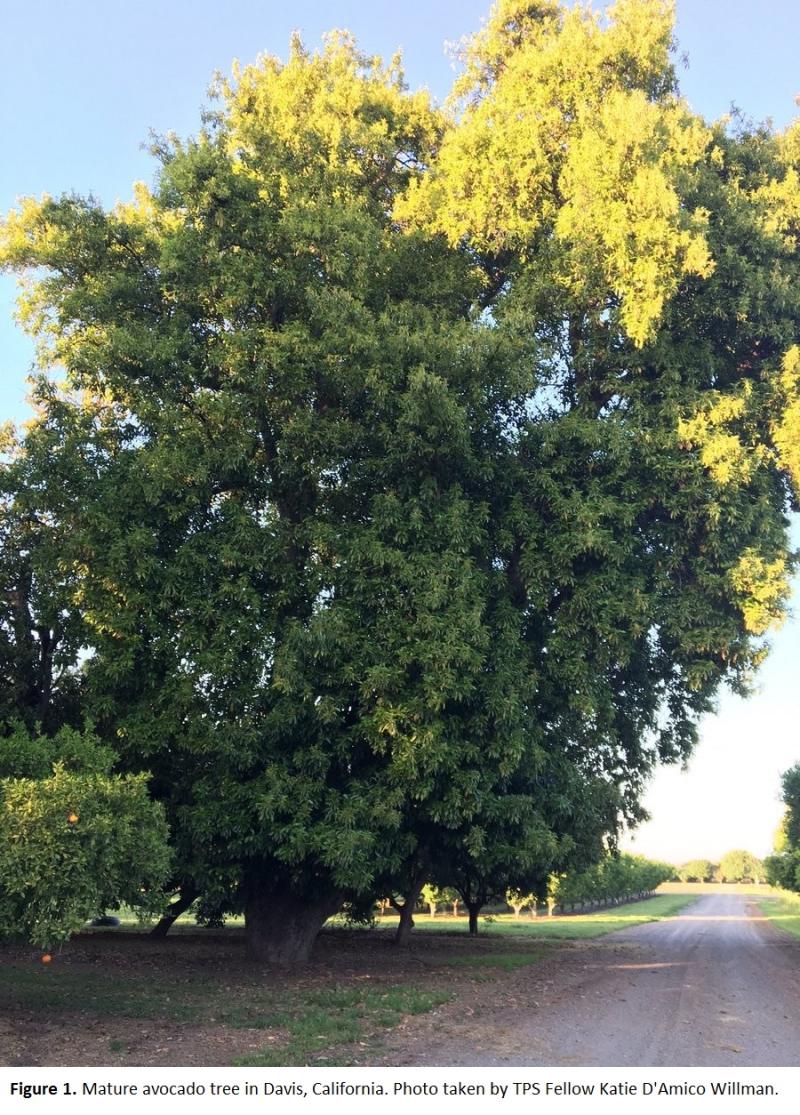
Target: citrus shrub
{"points": [[74, 844]]}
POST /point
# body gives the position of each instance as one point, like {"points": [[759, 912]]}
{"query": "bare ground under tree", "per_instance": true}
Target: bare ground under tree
{"points": [[117, 999]]}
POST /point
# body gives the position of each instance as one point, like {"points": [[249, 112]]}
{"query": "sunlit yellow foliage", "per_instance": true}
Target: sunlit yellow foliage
{"points": [[722, 451], [786, 430], [571, 134], [782, 193], [761, 588], [327, 114]]}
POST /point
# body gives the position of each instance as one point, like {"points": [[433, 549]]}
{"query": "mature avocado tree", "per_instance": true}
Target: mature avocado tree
{"points": [[285, 418], [420, 472]]}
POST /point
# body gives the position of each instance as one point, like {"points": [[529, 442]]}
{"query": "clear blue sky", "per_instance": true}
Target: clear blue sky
{"points": [[82, 83]]}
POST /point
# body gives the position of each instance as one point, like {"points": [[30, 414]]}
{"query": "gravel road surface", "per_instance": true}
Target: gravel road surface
{"points": [[714, 986]]}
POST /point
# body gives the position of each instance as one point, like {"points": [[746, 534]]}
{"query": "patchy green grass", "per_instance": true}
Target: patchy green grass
{"points": [[500, 961], [302, 1025], [58, 989], [569, 927], [338, 1017], [782, 908]]}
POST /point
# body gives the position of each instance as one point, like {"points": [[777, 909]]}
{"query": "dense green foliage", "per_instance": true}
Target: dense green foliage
{"points": [[697, 871], [613, 879], [739, 866], [41, 630], [74, 840], [783, 868], [415, 478]]}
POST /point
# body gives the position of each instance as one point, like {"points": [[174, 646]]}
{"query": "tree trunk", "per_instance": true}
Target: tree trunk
{"points": [[281, 927], [179, 906], [406, 911], [474, 910]]}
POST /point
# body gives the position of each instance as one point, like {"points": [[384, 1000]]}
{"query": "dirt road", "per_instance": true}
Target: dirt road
{"points": [[716, 986]]}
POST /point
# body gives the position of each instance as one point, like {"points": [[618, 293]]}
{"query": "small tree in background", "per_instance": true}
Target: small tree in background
{"points": [[697, 871], [740, 866], [432, 896], [451, 896], [518, 901]]}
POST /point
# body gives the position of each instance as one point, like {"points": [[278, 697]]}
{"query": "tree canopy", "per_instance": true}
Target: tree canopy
{"points": [[405, 481], [739, 866], [697, 871]]}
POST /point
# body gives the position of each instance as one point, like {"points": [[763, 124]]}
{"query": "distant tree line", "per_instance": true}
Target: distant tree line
{"points": [[736, 866], [615, 878]]}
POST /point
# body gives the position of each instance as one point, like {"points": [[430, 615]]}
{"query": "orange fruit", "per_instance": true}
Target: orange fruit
{"points": [[73, 817], [46, 958]]}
